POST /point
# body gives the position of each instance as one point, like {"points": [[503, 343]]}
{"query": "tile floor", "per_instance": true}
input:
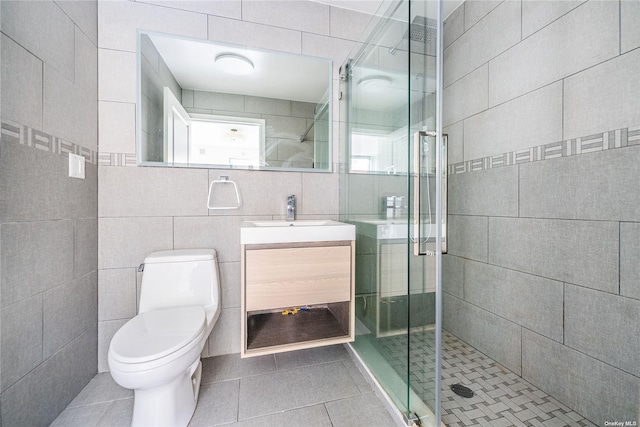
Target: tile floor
{"points": [[316, 387], [502, 398]]}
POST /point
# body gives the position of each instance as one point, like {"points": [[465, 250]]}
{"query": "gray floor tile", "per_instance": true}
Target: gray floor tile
{"points": [[363, 385], [294, 388], [312, 356], [102, 388], [359, 411], [118, 414], [217, 404], [310, 416], [83, 416], [231, 366]]}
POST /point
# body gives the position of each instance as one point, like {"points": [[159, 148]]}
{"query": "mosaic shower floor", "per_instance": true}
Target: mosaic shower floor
{"points": [[501, 398]]}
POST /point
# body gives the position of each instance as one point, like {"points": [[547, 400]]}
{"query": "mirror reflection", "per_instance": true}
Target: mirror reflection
{"points": [[206, 104]]}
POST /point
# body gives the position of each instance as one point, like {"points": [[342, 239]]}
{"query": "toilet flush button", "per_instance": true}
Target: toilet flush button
{"points": [[76, 166]]}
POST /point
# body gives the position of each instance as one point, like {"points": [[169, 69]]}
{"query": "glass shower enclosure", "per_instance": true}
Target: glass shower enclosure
{"points": [[392, 180]]}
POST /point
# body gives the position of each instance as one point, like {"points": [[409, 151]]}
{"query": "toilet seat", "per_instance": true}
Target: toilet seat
{"points": [[157, 337]]}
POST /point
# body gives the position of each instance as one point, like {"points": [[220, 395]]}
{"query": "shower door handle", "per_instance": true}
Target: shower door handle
{"points": [[417, 192]]}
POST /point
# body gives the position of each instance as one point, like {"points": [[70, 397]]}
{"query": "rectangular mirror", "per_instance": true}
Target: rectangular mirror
{"points": [[214, 105]]}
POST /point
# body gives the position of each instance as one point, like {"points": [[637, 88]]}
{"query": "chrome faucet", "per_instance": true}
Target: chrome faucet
{"points": [[291, 207]]}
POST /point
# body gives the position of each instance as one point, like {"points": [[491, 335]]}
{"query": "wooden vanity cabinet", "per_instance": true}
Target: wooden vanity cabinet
{"points": [[316, 276]]}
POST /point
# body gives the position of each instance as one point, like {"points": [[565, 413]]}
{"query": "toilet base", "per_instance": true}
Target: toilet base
{"points": [[171, 404]]}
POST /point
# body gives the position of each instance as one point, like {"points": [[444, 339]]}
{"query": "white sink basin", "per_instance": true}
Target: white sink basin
{"points": [[260, 232]]}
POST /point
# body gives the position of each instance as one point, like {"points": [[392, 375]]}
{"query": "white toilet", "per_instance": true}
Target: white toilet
{"points": [[157, 353]]}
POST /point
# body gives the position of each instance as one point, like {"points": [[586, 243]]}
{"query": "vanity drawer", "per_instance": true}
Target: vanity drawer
{"points": [[290, 277]]}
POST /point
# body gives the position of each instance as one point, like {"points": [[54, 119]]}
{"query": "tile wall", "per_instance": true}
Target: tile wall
{"points": [[542, 108], [48, 221], [143, 209]]}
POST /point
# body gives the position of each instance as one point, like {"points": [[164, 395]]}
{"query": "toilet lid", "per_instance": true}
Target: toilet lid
{"points": [[155, 334]]}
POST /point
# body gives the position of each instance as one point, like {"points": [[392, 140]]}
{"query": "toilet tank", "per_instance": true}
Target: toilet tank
{"points": [[179, 278]]}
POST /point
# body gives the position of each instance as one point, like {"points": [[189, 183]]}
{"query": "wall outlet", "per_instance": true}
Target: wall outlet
{"points": [[76, 166]]}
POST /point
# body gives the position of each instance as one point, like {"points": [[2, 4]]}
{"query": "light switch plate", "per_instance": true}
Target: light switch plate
{"points": [[76, 166]]}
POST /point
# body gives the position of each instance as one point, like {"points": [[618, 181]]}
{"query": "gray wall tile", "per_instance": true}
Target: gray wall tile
{"points": [[120, 34], [152, 191], [226, 8], [481, 43], [117, 294], [612, 86], [21, 340], [69, 112], [556, 52], [303, 16], [585, 252], [630, 260], [230, 284], [629, 29], [319, 194], [68, 311], [106, 330], [261, 192], [117, 131], [84, 15], [537, 15], [255, 35], [531, 301], [223, 235], [455, 141], [601, 325], [52, 384], [21, 84], [468, 236], [466, 97], [117, 74], [348, 24], [491, 192], [475, 10], [35, 256], [453, 275], [327, 47], [592, 388], [454, 25], [86, 246], [527, 121], [43, 29], [493, 335], [576, 188], [225, 336], [142, 235], [36, 186], [86, 60]]}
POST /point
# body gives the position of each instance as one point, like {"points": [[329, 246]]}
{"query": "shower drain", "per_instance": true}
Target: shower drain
{"points": [[461, 390]]}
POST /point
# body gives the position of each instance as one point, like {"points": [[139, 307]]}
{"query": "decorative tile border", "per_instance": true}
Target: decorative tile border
{"points": [[116, 159], [25, 135], [571, 147]]}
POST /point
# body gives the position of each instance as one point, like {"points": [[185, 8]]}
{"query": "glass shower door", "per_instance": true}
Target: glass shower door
{"points": [[390, 189]]}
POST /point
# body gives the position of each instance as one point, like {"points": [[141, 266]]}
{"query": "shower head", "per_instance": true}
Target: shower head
{"points": [[421, 30]]}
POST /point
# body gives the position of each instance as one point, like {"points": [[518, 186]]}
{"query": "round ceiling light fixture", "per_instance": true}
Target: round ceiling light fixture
{"points": [[235, 64], [375, 82]]}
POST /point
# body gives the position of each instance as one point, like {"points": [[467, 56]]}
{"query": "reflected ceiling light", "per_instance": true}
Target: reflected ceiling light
{"points": [[374, 82], [232, 63]]}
